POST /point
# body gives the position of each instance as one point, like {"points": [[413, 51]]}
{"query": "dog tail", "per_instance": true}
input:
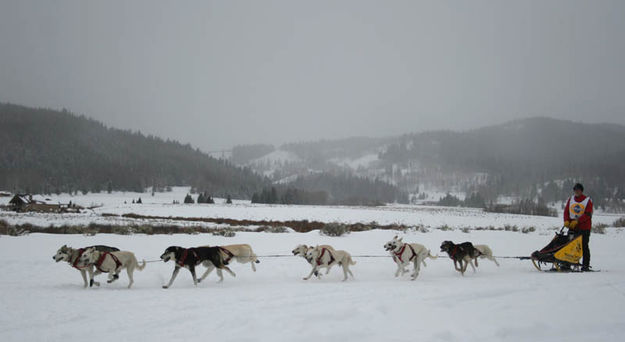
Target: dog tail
{"points": [[351, 261], [142, 266], [431, 256]]}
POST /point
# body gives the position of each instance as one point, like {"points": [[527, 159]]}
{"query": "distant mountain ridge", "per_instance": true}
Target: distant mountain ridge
{"points": [[515, 158]]}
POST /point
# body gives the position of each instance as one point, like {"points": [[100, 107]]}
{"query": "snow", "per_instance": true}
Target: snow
{"points": [[43, 300], [356, 163], [160, 205], [277, 156]]}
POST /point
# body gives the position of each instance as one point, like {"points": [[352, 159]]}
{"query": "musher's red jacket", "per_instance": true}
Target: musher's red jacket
{"points": [[584, 221]]}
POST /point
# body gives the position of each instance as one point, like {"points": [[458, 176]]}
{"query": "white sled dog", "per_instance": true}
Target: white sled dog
{"points": [[404, 253], [111, 263], [71, 256], [326, 257], [485, 253], [302, 250], [242, 253]]}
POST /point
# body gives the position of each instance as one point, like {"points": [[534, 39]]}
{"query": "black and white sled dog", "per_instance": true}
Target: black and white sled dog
{"points": [[404, 253], [111, 263], [72, 256], [462, 254], [242, 253], [328, 257], [189, 258]]}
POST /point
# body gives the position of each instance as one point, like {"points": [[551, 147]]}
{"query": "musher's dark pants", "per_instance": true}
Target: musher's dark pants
{"points": [[585, 239]]}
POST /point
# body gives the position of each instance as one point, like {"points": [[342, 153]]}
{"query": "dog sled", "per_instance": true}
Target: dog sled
{"points": [[562, 253]]}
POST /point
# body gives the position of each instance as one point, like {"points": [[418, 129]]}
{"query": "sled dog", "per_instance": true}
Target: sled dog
{"points": [[326, 257], [302, 251], [485, 253], [404, 253], [111, 263], [189, 258], [462, 254], [242, 253], [71, 255]]}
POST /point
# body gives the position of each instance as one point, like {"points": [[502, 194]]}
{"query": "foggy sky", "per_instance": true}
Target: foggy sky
{"points": [[220, 73]]}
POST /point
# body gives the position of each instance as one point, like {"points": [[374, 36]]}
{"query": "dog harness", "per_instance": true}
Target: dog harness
{"points": [[228, 253], [323, 250], [75, 264], [401, 251], [453, 252], [185, 254], [98, 264]]}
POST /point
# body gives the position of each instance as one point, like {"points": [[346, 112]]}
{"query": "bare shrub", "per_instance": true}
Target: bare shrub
{"points": [[334, 229], [619, 222], [526, 230]]}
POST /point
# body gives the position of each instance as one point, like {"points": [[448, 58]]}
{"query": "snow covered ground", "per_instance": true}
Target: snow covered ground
{"points": [[44, 301], [161, 205]]}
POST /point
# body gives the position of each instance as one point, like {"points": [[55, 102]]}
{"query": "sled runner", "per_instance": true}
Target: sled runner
{"points": [[563, 253]]}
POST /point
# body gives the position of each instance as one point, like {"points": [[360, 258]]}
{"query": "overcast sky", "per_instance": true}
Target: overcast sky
{"points": [[221, 73]]}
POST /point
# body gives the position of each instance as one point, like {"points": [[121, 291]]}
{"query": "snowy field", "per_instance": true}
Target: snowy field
{"points": [[160, 205], [44, 301]]}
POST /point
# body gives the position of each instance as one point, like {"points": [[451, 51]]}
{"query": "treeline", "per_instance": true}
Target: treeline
{"points": [[289, 195], [332, 189], [47, 151], [475, 200], [524, 207]]}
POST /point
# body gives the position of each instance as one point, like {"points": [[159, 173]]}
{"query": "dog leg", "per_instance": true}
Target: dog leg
{"points": [[131, 280], [417, 267], [112, 276], [470, 261], [400, 268], [92, 276], [221, 275], [346, 267], [209, 268], [253, 261], [173, 276], [313, 271], [494, 260], [229, 271], [83, 273], [192, 270]]}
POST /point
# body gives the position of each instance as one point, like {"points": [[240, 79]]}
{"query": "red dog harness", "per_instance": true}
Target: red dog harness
{"points": [[228, 253], [323, 250], [75, 264], [101, 260], [185, 254], [401, 251]]}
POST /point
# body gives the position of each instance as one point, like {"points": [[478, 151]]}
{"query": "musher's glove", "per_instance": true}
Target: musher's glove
{"points": [[567, 224], [573, 224]]}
